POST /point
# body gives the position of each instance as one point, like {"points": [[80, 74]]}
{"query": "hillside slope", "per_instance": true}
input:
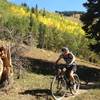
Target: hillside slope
{"points": [[51, 56], [42, 29]]}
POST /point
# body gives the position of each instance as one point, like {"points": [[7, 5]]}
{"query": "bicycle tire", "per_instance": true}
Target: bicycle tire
{"points": [[58, 94], [75, 88]]}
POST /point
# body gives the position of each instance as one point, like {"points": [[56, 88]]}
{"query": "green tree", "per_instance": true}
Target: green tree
{"points": [[33, 10], [41, 37], [44, 12], [15, 28], [36, 10], [24, 5], [91, 22], [32, 30]]}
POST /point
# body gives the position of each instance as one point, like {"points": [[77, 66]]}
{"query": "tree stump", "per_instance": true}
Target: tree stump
{"points": [[7, 70]]}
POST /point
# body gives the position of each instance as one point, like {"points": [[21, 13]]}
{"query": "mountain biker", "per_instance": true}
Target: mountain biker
{"points": [[69, 58]]}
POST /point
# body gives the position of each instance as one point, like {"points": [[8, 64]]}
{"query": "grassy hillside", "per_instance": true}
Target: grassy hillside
{"points": [[43, 29], [50, 20]]}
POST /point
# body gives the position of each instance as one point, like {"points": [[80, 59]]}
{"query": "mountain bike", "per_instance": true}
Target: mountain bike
{"points": [[61, 85]]}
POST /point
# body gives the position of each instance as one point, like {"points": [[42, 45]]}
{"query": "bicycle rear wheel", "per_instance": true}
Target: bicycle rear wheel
{"points": [[58, 88], [75, 88]]}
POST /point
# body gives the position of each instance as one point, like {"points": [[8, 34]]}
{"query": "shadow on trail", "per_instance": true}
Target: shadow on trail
{"points": [[90, 86], [91, 76], [88, 74], [38, 66], [39, 94]]}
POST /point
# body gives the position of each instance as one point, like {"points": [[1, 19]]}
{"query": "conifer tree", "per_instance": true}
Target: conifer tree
{"points": [[91, 23]]}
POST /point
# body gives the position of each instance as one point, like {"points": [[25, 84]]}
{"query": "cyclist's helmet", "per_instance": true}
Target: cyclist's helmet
{"points": [[65, 49]]}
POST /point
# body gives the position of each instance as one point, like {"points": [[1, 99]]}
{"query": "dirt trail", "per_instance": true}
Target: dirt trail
{"points": [[83, 89], [70, 97], [51, 56]]}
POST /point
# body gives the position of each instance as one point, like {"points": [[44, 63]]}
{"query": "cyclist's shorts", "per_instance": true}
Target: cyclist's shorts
{"points": [[72, 67]]}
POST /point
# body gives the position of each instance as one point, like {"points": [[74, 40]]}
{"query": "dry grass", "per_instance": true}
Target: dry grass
{"points": [[27, 87], [93, 94]]}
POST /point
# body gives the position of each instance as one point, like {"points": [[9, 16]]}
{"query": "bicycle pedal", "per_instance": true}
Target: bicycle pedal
{"points": [[72, 84]]}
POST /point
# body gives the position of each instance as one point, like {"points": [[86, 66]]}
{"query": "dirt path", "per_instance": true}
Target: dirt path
{"points": [[83, 89], [70, 97]]}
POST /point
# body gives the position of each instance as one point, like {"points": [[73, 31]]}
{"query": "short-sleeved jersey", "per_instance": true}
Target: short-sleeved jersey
{"points": [[67, 57]]}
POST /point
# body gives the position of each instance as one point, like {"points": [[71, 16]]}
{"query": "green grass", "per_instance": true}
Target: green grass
{"points": [[35, 80]]}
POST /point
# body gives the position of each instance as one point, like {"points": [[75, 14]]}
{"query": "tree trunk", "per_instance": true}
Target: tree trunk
{"points": [[7, 73]]}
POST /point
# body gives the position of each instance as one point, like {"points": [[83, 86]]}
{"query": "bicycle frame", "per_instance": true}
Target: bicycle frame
{"points": [[61, 74]]}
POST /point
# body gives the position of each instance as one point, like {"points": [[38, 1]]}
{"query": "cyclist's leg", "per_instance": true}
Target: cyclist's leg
{"points": [[72, 77], [72, 69], [70, 72]]}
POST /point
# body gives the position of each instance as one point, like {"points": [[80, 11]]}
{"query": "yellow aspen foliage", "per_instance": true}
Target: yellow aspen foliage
{"points": [[53, 20], [63, 25], [18, 11]]}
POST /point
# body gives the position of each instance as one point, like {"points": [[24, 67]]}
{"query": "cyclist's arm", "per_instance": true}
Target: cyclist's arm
{"points": [[73, 59], [58, 59]]}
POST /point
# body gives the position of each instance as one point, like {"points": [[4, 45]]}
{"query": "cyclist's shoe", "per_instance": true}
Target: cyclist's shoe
{"points": [[72, 83]]}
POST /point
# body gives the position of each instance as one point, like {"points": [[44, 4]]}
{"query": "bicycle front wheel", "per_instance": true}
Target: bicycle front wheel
{"points": [[58, 88], [75, 88]]}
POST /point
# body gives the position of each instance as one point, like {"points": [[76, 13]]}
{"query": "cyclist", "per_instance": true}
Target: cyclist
{"points": [[69, 58]]}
